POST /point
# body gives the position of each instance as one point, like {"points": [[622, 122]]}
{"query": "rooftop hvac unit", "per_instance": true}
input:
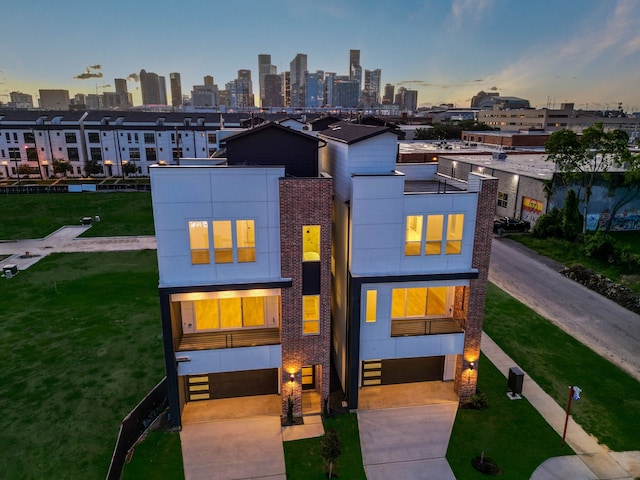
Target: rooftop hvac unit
{"points": [[499, 155]]}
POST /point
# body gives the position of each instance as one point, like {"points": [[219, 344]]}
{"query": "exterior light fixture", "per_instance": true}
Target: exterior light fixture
{"points": [[292, 377], [472, 366]]}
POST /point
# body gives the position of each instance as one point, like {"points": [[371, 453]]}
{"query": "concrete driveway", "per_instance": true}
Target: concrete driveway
{"points": [[245, 448], [409, 442]]}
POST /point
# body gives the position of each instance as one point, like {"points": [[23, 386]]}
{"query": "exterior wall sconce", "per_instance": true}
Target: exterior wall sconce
{"points": [[472, 366], [292, 377]]}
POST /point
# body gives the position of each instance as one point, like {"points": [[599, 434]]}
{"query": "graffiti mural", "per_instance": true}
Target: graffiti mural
{"points": [[531, 209], [625, 221]]}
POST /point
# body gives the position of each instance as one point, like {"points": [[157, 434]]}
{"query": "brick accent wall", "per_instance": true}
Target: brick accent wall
{"points": [[304, 201], [465, 378]]}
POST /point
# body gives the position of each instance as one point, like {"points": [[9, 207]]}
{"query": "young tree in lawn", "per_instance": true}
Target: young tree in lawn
{"points": [[331, 448], [586, 156], [61, 166]]}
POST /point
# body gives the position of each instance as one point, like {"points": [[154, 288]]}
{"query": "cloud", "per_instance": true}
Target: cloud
{"points": [[95, 67], [134, 77], [493, 89], [465, 10], [85, 75]]}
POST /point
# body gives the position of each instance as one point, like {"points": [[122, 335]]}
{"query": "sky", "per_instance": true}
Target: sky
{"points": [[547, 51]]}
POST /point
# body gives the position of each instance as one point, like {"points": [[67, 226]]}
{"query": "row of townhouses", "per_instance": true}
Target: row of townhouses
{"points": [[296, 251]]}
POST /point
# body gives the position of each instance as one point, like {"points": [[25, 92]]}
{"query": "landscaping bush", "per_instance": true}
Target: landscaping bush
{"points": [[571, 217], [602, 246], [486, 465], [549, 225], [476, 402]]}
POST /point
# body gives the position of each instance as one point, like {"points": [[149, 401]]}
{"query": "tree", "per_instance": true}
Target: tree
{"points": [[129, 168], [571, 218], [61, 166], [92, 167], [586, 156], [331, 448], [628, 183], [24, 170]]}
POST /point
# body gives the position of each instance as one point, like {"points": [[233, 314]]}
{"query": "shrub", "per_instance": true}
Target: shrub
{"points": [[549, 225], [571, 217], [477, 401], [602, 246]]}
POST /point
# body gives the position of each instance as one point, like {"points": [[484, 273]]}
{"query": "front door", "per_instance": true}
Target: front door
{"points": [[308, 377]]}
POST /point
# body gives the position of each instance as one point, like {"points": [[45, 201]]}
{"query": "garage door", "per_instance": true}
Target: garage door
{"points": [[402, 370], [232, 384]]}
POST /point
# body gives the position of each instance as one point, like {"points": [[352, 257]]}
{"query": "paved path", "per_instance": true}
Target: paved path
{"points": [[602, 325], [24, 253]]}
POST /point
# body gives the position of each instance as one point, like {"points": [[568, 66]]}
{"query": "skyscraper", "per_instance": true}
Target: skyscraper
{"points": [[123, 92], [264, 68], [371, 92], [355, 69], [176, 89], [297, 68], [389, 90], [272, 91], [314, 89], [153, 88], [286, 88], [208, 81], [54, 99]]}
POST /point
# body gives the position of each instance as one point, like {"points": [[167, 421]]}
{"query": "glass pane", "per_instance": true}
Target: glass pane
{"points": [[245, 233], [311, 307], [437, 301], [310, 327], [311, 243], [454, 226], [454, 247], [253, 311], [416, 302], [398, 300], [413, 235], [230, 313], [207, 314], [434, 234], [199, 241], [222, 242], [372, 296]]}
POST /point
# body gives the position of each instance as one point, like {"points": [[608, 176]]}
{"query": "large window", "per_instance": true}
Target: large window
{"points": [[96, 153], [150, 154], [503, 199], [222, 241], [311, 314], [70, 137], [433, 236], [72, 154], [149, 138], [134, 154], [418, 302], [245, 241], [199, 242], [233, 313], [94, 137]]}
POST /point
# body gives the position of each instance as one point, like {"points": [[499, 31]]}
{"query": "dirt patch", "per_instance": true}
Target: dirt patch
{"points": [[620, 294]]}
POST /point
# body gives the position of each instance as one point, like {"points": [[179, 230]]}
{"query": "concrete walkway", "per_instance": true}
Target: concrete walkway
{"points": [[24, 253], [593, 461]]}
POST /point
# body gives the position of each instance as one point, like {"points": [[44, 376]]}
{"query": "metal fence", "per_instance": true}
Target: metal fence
{"points": [[22, 189], [135, 424]]}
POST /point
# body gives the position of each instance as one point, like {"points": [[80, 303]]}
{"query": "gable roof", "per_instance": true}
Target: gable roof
{"points": [[350, 133]]}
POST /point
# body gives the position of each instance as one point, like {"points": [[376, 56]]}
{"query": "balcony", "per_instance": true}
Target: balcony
{"points": [[229, 339], [419, 327]]}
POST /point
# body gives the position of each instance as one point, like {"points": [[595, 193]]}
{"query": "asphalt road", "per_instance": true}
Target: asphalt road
{"points": [[604, 326]]}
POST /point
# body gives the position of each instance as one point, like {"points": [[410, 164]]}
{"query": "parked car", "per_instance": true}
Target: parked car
{"points": [[509, 224]]}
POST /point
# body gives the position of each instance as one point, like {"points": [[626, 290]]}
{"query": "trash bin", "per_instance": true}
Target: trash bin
{"points": [[515, 381]]}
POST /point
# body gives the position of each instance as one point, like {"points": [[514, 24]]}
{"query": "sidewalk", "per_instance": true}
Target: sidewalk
{"points": [[596, 461]]}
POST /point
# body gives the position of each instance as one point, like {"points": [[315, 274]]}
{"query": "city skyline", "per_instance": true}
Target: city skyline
{"points": [[578, 51]]}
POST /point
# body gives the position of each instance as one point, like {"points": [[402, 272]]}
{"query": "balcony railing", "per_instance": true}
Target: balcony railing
{"points": [[434, 326], [231, 339]]}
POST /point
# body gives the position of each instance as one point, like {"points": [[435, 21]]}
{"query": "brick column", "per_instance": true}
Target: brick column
{"points": [[304, 201], [474, 298]]}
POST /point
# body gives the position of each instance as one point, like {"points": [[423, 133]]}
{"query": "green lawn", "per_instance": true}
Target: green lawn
{"points": [[158, 456], [566, 252], [511, 432], [38, 215], [304, 462], [82, 344], [610, 397]]}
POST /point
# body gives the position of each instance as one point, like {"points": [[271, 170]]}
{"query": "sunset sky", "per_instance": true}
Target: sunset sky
{"points": [[547, 51]]}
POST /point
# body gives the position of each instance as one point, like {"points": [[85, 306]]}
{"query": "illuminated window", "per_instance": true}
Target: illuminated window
{"points": [[455, 223], [371, 308], [418, 302], [311, 314], [246, 240], [199, 242], [310, 243], [434, 234], [413, 235], [222, 241], [230, 313]]}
